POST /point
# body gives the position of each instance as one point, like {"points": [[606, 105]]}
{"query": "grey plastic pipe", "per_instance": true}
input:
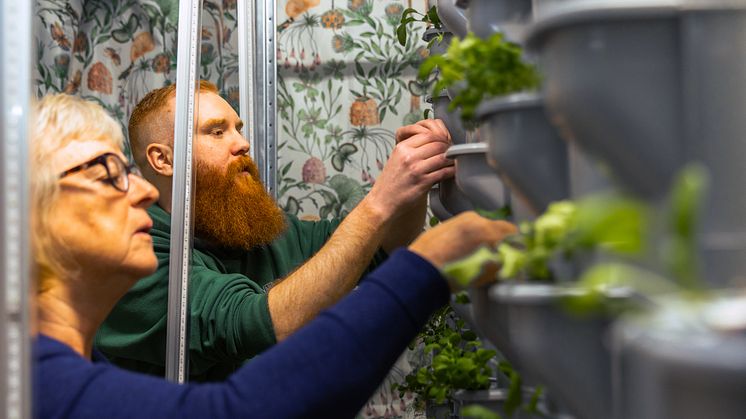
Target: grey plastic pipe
{"points": [[452, 17]]}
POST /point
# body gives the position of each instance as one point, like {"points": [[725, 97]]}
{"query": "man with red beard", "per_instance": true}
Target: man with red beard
{"points": [[258, 274]]}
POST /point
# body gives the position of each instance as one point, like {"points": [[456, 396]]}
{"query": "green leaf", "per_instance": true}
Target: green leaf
{"points": [[687, 197], [499, 214], [466, 270], [532, 406], [475, 411], [512, 259], [432, 16], [408, 11]]}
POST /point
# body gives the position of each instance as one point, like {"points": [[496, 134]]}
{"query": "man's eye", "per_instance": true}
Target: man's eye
{"points": [[217, 132]]}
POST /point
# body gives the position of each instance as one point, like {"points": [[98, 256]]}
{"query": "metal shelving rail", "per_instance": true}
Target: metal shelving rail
{"points": [[257, 87], [15, 92]]}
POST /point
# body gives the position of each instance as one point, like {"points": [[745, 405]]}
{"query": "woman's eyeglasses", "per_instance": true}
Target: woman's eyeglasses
{"points": [[117, 171]]}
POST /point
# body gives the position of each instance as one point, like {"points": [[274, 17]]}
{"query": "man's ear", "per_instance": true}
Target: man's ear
{"points": [[160, 158]]}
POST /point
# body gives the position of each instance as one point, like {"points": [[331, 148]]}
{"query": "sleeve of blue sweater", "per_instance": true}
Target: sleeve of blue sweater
{"points": [[328, 369]]}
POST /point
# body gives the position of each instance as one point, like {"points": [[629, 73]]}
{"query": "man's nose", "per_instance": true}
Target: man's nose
{"points": [[241, 145]]}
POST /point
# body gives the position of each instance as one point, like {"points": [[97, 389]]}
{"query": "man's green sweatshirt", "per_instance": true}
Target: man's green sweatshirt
{"points": [[229, 315]]}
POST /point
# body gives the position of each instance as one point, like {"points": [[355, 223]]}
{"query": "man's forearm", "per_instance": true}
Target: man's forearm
{"points": [[406, 227], [331, 273]]}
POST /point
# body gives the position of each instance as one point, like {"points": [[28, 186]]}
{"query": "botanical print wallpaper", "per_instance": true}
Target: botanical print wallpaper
{"points": [[344, 86], [115, 51]]}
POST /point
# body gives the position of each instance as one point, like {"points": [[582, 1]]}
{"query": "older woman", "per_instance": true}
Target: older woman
{"points": [[91, 243]]}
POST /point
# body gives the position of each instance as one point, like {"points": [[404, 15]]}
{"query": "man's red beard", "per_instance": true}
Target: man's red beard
{"points": [[233, 209]]}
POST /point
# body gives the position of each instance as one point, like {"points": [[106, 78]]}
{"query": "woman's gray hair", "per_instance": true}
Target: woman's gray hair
{"points": [[58, 120]]}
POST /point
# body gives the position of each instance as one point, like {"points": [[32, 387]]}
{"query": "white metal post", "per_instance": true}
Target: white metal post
{"points": [[15, 92], [187, 81]]}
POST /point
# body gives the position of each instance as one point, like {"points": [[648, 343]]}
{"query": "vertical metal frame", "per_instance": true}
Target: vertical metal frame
{"points": [[187, 84], [265, 93], [257, 80], [246, 69], [15, 93]]}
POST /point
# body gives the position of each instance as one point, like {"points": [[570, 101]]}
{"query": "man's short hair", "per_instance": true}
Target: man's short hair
{"points": [[147, 118]]}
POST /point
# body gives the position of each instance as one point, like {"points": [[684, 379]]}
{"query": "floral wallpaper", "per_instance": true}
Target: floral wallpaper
{"points": [[344, 86], [115, 51]]}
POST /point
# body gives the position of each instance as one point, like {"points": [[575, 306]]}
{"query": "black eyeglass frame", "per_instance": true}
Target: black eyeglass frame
{"points": [[102, 159]]}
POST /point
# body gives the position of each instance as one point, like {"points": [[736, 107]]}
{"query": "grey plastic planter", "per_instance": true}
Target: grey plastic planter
{"points": [[648, 89], [525, 148], [569, 354], [586, 174], [452, 17], [677, 365], [476, 178], [451, 119], [439, 411], [487, 17], [491, 321], [439, 211], [452, 199], [438, 48]]}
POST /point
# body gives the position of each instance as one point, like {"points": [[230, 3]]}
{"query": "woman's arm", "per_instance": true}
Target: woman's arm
{"points": [[327, 369]]}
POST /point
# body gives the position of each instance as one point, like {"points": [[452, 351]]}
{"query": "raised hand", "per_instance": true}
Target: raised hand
{"points": [[459, 237], [417, 162]]}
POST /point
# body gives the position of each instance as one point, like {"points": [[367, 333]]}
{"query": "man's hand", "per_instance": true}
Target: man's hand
{"points": [[390, 216], [435, 126], [459, 237], [417, 162]]}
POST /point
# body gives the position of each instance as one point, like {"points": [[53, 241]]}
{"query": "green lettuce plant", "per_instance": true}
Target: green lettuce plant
{"points": [[486, 67], [607, 222]]}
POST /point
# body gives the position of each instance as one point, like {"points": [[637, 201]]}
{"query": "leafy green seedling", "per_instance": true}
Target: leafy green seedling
{"points": [[458, 360], [488, 68]]}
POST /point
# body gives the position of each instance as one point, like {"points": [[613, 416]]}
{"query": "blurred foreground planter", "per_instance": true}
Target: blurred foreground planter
{"points": [[491, 321], [683, 361], [525, 149], [487, 17], [648, 87], [567, 353]]}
